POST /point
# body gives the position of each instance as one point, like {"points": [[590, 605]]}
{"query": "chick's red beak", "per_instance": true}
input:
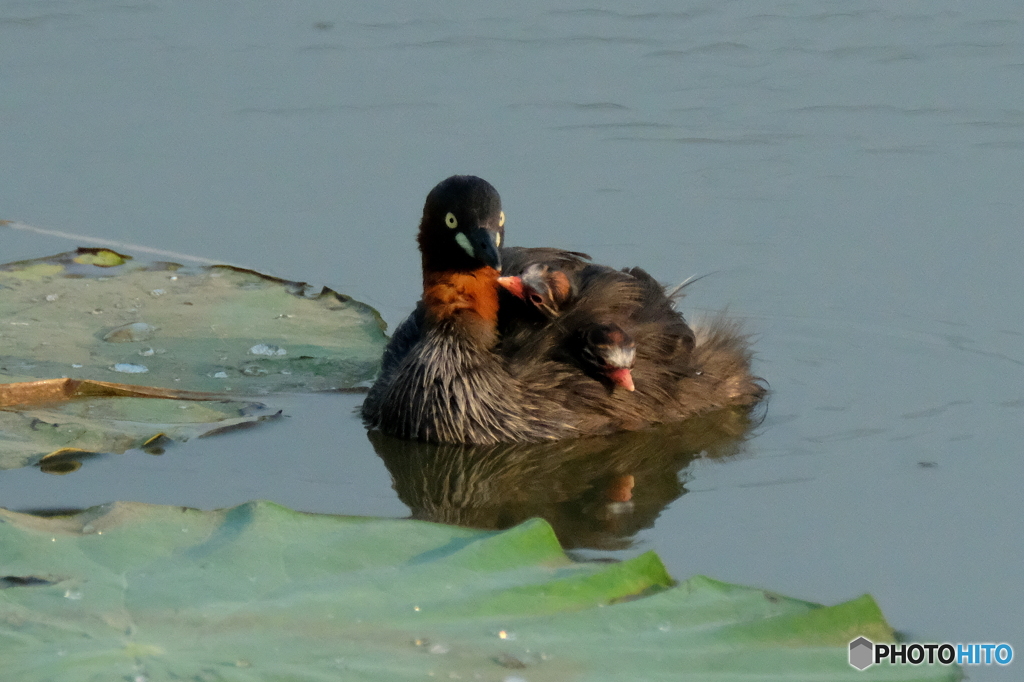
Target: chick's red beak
{"points": [[622, 377], [513, 285]]}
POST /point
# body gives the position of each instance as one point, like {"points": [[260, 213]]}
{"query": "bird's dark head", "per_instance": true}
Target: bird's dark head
{"points": [[609, 351], [463, 226]]}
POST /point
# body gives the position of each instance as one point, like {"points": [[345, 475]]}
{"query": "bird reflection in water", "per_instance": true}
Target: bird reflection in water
{"points": [[596, 492]]}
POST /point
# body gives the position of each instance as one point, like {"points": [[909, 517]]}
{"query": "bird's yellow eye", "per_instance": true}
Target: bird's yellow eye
{"points": [[451, 221], [501, 219], [497, 239]]}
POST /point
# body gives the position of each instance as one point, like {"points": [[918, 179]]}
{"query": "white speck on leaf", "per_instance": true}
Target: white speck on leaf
{"points": [[129, 368], [267, 349]]}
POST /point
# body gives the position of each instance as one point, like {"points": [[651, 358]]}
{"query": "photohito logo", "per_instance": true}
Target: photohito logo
{"points": [[864, 653]]}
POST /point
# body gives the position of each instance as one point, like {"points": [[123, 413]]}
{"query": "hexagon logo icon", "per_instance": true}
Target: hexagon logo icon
{"points": [[861, 653]]}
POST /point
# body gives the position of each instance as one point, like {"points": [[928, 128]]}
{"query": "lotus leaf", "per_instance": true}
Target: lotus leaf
{"points": [[96, 314], [260, 592]]}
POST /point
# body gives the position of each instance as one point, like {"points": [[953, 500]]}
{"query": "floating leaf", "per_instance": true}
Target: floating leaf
{"points": [[60, 435], [96, 314], [103, 258], [259, 592], [29, 393]]}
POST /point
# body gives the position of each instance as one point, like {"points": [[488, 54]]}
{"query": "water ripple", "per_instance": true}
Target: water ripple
{"points": [[633, 16], [554, 41], [315, 110], [38, 20], [581, 106], [615, 126], [709, 48]]}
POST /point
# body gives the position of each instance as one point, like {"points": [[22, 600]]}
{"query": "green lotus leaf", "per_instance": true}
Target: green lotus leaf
{"points": [[96, 314], [259, 592]]}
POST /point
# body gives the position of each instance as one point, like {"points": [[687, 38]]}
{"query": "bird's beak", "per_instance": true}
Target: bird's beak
{"points": [[485, 246], [513, 285], [622, 377]]}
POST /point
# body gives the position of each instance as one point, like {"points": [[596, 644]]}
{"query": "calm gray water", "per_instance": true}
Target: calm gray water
{"points": [[848, 174]]}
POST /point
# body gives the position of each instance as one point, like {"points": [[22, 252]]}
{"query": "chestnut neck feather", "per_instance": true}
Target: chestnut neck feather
{"points": [[467, 301]]}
